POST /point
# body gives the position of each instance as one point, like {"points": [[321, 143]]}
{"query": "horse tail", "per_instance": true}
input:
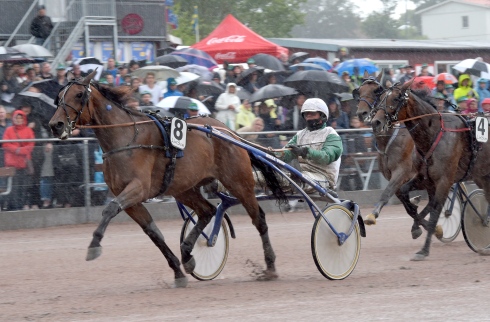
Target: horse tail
{"points": [[270, 178]]}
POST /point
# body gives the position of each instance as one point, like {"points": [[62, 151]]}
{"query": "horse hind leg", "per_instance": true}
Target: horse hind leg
{"points": [[205, 211], [141, 216], [245, 193]]}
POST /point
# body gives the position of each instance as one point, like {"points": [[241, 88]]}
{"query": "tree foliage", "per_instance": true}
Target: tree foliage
{"points": [[268, 18], [328, 19]]}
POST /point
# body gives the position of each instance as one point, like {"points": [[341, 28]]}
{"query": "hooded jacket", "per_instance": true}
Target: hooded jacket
{"points": [[17, 153], [171, 92], [224, 114], [464, 90], [244, 117]]}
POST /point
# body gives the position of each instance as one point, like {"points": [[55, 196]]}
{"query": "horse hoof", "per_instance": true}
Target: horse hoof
{"points": [[370, 219], [93, 253], [415, 200], [416, 233], [484, 251], [267, 275], [190, 265], [438, 232], [418, 258], [180, 282]]}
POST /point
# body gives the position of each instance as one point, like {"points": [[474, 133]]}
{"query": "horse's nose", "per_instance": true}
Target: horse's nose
{"points": [[376, 125], [56, 127], [363, 115]]}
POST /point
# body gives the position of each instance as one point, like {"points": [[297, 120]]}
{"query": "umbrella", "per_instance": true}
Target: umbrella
{"points": [[446, 77], [49, 87], [272, 91], [344, 96], [42, 105], [361, 64], [242, 93], [88, 65], [12, 55], [173, 61], [33, 50], [268, 61], [421, 82], [316, 82], [247, 73], [173, 103], [305, 66], [186, 77], [301, 55], [280, 77], [196, 57], [196, 69], [162, 73], [474, 67], [319, 61], [207, 87]]}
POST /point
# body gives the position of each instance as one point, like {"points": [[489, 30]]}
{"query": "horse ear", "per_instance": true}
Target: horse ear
{"points": [[366, 75], [407, 85], [89, 77], [70, 76], [378, 78]]}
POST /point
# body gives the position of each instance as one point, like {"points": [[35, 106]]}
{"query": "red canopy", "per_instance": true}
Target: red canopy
{"points": [[234, 42]]}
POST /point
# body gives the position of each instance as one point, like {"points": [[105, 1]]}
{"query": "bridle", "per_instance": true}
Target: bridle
{"points": [[392, 118], [378, 92], [63, 104]]}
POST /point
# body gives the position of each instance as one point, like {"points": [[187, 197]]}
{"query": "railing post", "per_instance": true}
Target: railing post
{"points": [[86, 179]]}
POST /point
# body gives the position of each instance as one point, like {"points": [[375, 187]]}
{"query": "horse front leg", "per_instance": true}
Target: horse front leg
{"points": [[397, 180], [140, 215], [434, 207], [132, 194]]}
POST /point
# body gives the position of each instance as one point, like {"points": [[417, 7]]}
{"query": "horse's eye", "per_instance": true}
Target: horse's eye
{"points": [[79, 95], [378, 91]]}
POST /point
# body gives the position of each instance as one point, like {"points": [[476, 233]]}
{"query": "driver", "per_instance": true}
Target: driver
{"points": [[318, 147]]}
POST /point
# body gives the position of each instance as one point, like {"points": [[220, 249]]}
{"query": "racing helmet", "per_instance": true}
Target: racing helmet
{"points": [[315, 105]]}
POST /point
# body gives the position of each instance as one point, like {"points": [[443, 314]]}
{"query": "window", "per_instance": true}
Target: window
{"points": [[466, 22]]}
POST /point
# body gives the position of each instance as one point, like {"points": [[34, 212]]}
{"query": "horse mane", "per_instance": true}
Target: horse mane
{"points": [[119, 95], [424, 96]]}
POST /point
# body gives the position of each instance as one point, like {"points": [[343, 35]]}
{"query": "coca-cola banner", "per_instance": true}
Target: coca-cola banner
{"points": [[233, 42]]}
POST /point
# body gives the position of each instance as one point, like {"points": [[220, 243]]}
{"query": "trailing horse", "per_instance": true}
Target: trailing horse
{"points": [[397, 158], [137, 167], [445, 143]]}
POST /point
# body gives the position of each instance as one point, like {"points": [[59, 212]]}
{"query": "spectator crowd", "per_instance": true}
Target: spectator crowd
{"points": [[49, 174]]}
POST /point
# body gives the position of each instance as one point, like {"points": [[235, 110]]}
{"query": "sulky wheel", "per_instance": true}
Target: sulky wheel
{"points": [[210, 261], [476, 234], [451, 222], [335, 261]]}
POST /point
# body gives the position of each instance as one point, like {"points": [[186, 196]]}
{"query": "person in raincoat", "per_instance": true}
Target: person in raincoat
{"points": [[172, 88], [464, 88], [227, 106], [483, 92], [18, 155], [245, 115]]}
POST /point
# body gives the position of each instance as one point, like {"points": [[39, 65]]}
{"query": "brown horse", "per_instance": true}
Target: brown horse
{"points": [[135, 167], [397, 159], [445, 144]]}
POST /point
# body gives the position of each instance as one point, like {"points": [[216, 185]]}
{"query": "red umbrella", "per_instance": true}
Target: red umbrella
{"points": [[421, 82], [446, 77]]}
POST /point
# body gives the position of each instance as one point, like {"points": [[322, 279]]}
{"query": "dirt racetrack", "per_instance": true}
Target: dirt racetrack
{"points": [[44, 277]]}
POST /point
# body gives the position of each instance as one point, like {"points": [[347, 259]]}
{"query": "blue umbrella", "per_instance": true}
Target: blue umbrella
{"points": [[319, 61], [196, 57], [361, 64], [305, 66]]}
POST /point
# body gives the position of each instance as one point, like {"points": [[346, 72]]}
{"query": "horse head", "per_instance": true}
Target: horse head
{"points": [[390, 109], [70, 104], [367, 96]]}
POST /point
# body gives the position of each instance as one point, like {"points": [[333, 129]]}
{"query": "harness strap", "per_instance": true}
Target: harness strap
{"points": [[131, 147]]}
